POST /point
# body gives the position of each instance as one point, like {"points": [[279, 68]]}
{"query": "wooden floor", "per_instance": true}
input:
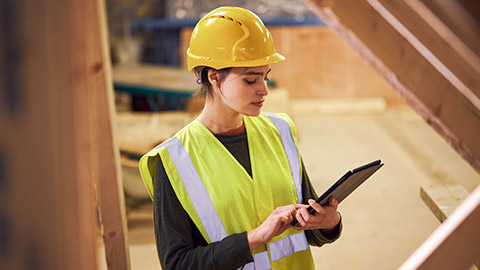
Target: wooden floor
{"points": [[385, 220]]}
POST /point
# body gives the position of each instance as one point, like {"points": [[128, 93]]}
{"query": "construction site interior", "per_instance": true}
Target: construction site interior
{"points": [[88, 87]]}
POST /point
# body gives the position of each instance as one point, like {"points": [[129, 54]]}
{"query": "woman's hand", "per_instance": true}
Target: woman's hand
{"points": [[326, 217], [276, 223]]}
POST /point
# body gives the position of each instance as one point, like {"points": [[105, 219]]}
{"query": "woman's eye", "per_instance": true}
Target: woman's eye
{"points": [[251, 82]]}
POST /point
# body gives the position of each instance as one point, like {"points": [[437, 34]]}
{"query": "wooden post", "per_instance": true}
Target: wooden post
{"points": [[106, 159], [53, 86]]}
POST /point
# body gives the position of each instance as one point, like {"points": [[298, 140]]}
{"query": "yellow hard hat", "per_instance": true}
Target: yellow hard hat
{"points": [[231, 37]]}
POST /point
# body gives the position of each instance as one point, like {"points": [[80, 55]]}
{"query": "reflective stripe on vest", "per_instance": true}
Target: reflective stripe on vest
{"points": [[288, 245], [291, 149], [205, 209], [260, 262], [196, 190]]}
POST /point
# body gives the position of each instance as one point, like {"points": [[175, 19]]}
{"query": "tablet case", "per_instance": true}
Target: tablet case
{"points": [[346, 184]]}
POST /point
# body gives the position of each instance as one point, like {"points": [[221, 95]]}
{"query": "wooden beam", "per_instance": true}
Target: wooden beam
{"points": [[437, 42], [451, 111], [462, 17], [106, 168], [444, 35], [455, 244], [443, 199]]}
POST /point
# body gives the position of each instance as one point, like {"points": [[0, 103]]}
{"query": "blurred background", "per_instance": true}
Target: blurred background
{"points": [[346, 114]]}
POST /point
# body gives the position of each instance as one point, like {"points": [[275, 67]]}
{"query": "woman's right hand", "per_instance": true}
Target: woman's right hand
{"points": [[275, 224]]}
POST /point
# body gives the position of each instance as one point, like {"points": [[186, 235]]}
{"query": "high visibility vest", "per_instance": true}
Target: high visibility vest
{"points": [[222, 198]]}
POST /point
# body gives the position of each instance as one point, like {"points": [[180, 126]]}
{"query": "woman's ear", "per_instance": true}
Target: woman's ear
{"points": [[213, 78]]}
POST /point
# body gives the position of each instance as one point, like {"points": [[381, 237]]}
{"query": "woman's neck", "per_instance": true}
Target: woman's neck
{"points": [[221, 120]]}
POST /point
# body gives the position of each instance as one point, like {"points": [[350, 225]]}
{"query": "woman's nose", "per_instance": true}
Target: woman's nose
{"points": [[263, 91]]}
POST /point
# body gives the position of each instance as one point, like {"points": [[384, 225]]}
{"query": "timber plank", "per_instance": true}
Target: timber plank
{"points": [[443, 199], [106, 168], [156, 77]]}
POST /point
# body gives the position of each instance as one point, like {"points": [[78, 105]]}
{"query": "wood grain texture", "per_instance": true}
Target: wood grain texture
{"points": [[106, 168]]}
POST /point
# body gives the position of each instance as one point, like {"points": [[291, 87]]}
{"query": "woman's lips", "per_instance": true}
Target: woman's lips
{"points": [[258, 104]]}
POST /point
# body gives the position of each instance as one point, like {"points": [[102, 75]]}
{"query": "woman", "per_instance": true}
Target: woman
{"points": [[227, 186]]}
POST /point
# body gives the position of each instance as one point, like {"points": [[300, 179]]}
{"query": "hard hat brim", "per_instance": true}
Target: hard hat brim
{"points": [[194, 61]]}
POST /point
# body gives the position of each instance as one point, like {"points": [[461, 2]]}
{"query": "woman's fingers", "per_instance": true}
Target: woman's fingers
{"points": [[333, 202], [318, 208]]}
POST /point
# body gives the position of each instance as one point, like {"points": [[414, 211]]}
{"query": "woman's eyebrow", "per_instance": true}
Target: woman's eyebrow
{"points": [[257, 73]]}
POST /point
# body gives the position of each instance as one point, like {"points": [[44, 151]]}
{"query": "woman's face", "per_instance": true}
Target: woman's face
{"points": [[244, 89]]}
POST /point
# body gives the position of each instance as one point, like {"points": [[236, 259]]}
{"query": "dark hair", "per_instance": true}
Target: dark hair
{"points": [[205, 89]]}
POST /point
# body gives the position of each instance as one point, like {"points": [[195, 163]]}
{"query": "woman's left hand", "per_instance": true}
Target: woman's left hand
{"points": [[326, 217]]}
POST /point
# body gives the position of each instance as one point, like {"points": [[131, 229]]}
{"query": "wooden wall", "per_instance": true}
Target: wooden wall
{"points": [[319, 65]]}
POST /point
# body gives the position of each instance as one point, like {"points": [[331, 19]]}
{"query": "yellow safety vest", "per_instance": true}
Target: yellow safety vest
{"points": [[220, 196]]}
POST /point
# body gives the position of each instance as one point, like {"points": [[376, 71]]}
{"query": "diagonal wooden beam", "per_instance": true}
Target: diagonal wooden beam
{"points": [[461, 16], [442, 37], [445, 99], [435, 41]]}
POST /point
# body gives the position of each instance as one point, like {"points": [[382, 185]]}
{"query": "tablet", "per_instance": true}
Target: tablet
{"points": [[346, 184]]}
